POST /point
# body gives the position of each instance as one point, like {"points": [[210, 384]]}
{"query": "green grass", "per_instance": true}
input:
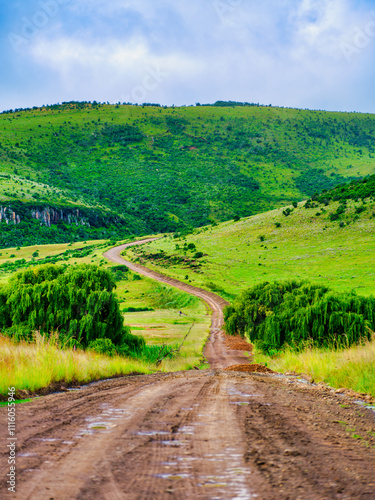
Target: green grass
{"points": [[179, 167], [352, 368], [17, 402], [306, 246]]}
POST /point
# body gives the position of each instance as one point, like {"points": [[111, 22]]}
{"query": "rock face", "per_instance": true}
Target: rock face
{"points": [[46, 216], [50, 216]]}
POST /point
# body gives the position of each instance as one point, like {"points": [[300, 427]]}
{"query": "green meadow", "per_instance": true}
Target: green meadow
{"points": [[272, 246]]}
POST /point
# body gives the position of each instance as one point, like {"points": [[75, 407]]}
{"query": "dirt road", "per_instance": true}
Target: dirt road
{"points": [[209, 434]]}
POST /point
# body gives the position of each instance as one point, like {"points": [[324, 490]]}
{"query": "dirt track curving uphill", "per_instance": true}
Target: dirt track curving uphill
{"points": [[216, 353], [211, 434]]}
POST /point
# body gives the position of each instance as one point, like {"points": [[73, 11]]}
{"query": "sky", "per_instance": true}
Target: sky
{"points": [[316, 54]]}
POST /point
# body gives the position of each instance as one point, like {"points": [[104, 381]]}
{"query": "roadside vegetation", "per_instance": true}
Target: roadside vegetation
{"points": [[72, 352], [31, 366], [352, 368], [272, 315]]}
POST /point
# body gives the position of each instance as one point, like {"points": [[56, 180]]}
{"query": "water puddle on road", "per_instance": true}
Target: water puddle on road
{"points": [[173, 443], [363, 404], [105, 422], [173, 476], [48, 440], [187, 429], [235, 392], [152, 433]]}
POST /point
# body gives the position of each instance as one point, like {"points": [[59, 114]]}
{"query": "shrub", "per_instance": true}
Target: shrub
{"points": [[78, 302], [294, 312], [103, 346], [288, 211]]}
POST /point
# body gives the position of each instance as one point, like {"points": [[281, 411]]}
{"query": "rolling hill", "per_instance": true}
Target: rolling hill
{"points": [[143, 169]]}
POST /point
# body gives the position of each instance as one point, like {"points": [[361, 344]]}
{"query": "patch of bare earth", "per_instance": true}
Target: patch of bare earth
{"points": [[253, 368]]}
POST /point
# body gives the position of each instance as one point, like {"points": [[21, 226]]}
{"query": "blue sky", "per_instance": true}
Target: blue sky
{"points": [[297, 53]]}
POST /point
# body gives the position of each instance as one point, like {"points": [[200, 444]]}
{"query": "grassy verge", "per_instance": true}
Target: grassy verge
{"points": [[30, 367], [352, 368]]}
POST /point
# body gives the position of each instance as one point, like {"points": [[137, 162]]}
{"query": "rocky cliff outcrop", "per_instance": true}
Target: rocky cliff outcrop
{"points": [[46, 216]]}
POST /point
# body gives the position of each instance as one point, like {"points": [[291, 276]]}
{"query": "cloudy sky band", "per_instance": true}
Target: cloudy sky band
{"points": [[314, 54]]}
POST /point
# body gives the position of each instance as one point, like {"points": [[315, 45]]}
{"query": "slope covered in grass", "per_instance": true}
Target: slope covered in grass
{"points": [[160, 169], [305, 244]]}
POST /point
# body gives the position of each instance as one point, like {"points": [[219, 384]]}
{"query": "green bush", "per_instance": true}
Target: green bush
{"points": [[296, 312], [77, 302], [103, 346]]}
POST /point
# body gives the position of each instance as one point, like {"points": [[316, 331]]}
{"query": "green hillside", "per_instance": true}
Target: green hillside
{"points": [[156, 169], [328, 241]]}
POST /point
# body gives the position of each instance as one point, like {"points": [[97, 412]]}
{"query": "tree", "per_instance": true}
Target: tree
{"points": [[77, 302]]}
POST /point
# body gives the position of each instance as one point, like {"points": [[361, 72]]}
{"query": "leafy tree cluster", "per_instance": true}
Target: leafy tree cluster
{"points": [[296, 312], [77, 302], [315, 181], [355, 190]]}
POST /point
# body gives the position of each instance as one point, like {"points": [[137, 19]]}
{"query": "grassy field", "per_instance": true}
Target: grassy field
{"points": [[30, 367], [307, 245]]}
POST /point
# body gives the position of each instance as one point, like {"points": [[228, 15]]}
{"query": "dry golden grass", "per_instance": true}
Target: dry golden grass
{"points": [[34, 366], [352, 368]]}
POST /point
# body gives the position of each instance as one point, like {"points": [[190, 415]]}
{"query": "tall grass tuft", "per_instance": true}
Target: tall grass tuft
{"points": [[32, 366], [352, 368]]}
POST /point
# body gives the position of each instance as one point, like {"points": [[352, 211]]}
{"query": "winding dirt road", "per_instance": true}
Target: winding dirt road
{"points": [[209, 434]]}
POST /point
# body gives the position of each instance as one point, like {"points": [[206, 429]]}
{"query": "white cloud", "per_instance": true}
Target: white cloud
{"points": [[287, 52]]}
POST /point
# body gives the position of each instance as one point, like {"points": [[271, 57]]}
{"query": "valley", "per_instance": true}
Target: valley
{"points": [[133, 240]]}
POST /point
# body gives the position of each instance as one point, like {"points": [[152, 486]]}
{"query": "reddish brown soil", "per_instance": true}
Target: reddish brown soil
{"points": [[237, 343], [211, 434], [253, 368]]}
